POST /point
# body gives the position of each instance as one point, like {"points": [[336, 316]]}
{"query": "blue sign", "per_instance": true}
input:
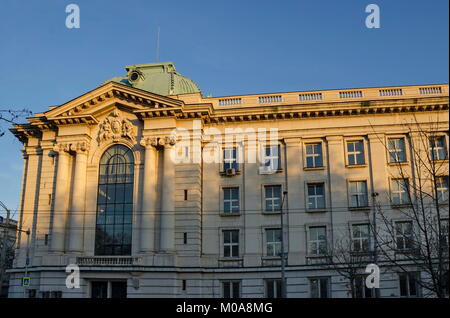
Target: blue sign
{"points": [[26, 281], [1, 219]]}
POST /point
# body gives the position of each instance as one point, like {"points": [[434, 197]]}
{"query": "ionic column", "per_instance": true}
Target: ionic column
{"points": [[77, 208], [168, 196], [148, 196], [61, 199]]}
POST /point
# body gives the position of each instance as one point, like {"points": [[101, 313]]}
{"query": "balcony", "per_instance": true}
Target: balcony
{"points": [[109, 261]]}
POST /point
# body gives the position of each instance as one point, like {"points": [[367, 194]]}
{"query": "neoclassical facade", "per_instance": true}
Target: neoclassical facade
{"points": [[116, 182]]}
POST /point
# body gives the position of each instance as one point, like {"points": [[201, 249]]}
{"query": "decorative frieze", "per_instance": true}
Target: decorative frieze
{"points": [[114, 127]]}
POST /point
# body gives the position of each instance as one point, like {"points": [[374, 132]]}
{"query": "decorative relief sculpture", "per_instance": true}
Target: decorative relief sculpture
{"points": [[115, 127]]}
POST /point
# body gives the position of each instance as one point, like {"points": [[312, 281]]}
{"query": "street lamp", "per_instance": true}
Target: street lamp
{"points": [[283, 256]]}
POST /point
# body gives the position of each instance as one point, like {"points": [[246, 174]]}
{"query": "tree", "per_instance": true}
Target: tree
{"points": [[349, 258], [417, 238], [10, 116]]}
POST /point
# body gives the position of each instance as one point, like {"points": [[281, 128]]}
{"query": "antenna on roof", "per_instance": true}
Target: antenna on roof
{"points": [[157, 46]]}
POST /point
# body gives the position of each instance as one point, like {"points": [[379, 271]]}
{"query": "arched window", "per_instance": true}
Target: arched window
{"points": [[115, 202]]}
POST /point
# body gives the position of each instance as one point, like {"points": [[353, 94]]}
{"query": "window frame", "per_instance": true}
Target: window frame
{"points": [[316, 209], [408, 284], [361, 239], [319, 289], [318, 242], [444, 147], [404, 237], [231, 282], [106, 214], [389, 151], [314, 155], [439, 188], [274, 243], [276, 285], [347, 153], [223, 212], [230, 244], [358, 194], [271, 157], [397, 191], [265, 198], [233, 161]]}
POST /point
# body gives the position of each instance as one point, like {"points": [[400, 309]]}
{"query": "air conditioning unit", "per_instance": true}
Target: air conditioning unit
{"points": [[230, 172], [265, 170]]}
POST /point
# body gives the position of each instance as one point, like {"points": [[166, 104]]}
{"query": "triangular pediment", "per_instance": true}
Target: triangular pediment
{"points": [[103, 99]]}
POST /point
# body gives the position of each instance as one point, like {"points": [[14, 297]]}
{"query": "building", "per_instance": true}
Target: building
{"points": [[147, 211], [7, 246]]}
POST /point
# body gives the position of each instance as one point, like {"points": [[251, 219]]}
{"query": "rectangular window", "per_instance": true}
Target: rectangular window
{"points": [[437, 148], [316, 196], [318, 240], [404, 235], [396, 148], [361, 291], [400, 191], [272, 198], [360, 238], [273, 288], [230, 200], [319, 287], [271, 157], [230, 160], [314, 155], [442, 189], [273, 242], [409, 286], [355, 152], [358, 194], [231, 289], [231, 243]]}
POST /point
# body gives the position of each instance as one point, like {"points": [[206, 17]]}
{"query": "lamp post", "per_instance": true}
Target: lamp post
{"points": [[283, 256]]}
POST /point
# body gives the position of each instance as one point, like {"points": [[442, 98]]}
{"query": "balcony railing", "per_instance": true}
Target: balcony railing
{"points": [[108, 261], [323, 96]]}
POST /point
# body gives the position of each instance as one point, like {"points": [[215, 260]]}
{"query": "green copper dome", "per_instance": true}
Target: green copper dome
{"points": [[158, 78]]}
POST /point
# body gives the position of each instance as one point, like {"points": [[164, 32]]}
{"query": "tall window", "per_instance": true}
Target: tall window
{"points": [[438, 150], [230, 200], [273, 288], [230, 159], [231, 243], [316, 196], [360, 237], [272, 198], [115, 202], [231, 289], [319, 287], [409, 286], [358, 194], [396, 147], [317, 240], [442, 188], [361, 291], [314, 155], [273, 242], [404, 235], [400, 191], [355, 152], [271, 157]]}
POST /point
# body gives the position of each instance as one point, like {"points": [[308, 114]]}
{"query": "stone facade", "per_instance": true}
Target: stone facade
{"points": [[178, 219]]}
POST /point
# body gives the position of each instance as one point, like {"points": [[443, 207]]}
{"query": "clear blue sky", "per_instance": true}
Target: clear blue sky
{"points": [[228, 47]]}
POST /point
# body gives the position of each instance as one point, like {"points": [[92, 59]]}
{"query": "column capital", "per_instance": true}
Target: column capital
{"points": [[148, 142], [167, 141], [61, 147], [80, 147]]}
